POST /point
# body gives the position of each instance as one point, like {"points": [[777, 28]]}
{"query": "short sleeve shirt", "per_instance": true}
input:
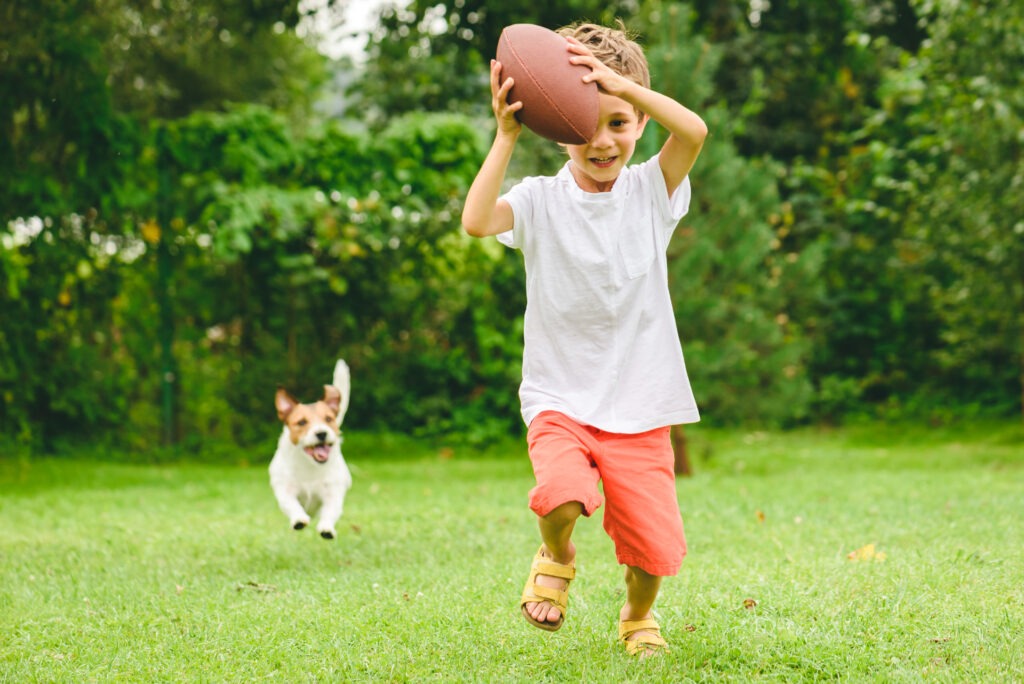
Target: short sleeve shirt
{"points": [[600, 337]]}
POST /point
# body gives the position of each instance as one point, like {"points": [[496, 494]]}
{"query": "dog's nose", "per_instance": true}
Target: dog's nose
{"points": [[322, 435]]}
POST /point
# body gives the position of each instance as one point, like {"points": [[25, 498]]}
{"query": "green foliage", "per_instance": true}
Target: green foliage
{"points": [[76, 76], [856, 232], [168, 59], [62, 361], [59, 129], [356, 259], [737, 293], [790, 71], [310, 259], [921, 238], [964, 162], [288, 248]]}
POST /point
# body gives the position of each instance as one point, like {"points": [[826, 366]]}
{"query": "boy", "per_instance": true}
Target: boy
{"points": [[603, 371]]}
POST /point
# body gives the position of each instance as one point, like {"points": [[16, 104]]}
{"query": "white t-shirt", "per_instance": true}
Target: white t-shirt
{"points": [[601, 344]]}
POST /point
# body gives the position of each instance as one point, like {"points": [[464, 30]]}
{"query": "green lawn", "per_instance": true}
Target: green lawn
{"points": [[113, 572]]}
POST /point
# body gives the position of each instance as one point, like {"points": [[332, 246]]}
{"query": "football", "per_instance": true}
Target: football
{"points": [[557, 104]]}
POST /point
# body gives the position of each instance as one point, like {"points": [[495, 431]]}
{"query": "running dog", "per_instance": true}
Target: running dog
{"points": [[308, 473]]}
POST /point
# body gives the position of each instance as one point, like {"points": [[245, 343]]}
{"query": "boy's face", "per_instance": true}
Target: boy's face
{"points": [[597, 163]]}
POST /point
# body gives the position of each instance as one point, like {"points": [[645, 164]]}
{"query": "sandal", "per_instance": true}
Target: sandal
{"points": [[642, 645], [534, 593]]}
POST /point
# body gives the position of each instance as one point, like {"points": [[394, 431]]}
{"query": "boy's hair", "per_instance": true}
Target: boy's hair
{"points": [[614, 47]]}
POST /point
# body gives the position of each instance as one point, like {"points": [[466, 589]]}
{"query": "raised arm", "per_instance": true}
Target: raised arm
{"points": [[483, 213], [687, 131]]}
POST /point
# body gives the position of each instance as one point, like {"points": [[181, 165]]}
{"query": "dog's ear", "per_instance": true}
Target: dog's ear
{"points": [[332, 397], [284, 403]]}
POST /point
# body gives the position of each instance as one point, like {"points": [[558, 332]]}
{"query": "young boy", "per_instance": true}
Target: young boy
{"points": [[603, 370]]}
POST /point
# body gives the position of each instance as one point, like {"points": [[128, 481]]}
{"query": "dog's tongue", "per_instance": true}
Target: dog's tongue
{"points": [[320, 452]]}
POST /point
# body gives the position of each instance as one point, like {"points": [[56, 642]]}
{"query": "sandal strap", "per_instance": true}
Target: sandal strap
{"points": [[628, 627], [649, 642], [534, 593], [644, 644], [542, 566]]}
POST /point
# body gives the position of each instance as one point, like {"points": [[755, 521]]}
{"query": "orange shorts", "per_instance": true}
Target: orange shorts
{"points": [[642, 512]]}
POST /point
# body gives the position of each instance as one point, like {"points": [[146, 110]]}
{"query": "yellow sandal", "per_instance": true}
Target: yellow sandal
{"points": [[642, 645], [534, 593]]}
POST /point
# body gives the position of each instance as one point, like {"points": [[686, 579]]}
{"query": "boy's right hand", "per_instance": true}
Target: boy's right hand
{"points": [[484, 212], [504, 112]]}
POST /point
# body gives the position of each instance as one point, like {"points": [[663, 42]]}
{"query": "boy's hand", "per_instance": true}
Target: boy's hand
{"points": [[504, 112], [607, 80]]}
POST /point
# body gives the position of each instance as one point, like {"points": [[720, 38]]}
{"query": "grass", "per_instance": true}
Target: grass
{"points": [[187, 572]]}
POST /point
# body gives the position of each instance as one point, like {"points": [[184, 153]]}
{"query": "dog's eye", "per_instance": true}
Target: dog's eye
{"points": [[302, 423]]}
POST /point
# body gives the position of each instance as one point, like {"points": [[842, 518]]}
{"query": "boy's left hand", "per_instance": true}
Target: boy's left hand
{"points": [[607, 80]]}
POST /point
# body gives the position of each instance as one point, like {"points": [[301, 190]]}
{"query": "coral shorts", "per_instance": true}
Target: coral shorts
{"points": [[636, 471]]}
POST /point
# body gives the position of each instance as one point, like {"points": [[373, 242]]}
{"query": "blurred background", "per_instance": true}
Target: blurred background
{"points": [[201, 200]]}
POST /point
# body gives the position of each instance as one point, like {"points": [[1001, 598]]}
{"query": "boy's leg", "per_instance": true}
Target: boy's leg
{"points": [[641, 591], [642, 510], [567, 487], [642, 517], [556, 530]]}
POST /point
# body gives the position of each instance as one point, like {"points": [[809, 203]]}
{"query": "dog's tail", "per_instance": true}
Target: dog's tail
{"points": [[343, 382]]}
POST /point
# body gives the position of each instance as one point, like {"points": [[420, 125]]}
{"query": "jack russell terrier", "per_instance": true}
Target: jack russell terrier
{"points": [[308, 473]]}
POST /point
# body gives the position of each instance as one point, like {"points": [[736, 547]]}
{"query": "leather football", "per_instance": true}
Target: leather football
{"points": [[557, 104]]}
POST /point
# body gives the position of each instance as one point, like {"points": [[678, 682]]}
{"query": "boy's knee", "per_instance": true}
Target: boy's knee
{"points": [[635, 573], [563, 502], [566, 513]]}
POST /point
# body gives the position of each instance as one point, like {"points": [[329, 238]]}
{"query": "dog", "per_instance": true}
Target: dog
{"points": [[308, 473]]}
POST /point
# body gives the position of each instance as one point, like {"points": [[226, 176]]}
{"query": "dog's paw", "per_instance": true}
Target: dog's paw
{"points": [[327, 534], [300, 523]]}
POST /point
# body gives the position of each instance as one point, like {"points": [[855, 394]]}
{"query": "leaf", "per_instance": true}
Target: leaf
{"points": [[866, 553]]}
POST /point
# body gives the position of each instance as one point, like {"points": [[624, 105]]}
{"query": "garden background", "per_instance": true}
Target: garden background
{"points": [[196, 205], [201, 200]]}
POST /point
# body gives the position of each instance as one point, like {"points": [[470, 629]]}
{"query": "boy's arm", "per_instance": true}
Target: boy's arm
{"points": [[687, 130], [483, 213]]}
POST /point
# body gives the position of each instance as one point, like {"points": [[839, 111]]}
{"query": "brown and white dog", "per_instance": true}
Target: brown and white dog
{"points": [[308, 473]]}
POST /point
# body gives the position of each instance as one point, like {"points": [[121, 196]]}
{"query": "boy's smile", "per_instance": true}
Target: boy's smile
{"points": [[597, 163]]}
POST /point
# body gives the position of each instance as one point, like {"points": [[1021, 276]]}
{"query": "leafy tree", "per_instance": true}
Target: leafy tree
{"points": [[60, 357], [801, 79], [292, 247], [960, 99], [791, 72], [739, 295], [79, 80], [58, 146], [923, 294], [76, 77], [167, 59], [876, 253]]}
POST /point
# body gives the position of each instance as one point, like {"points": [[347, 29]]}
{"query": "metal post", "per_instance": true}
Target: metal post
{"points": [[168, 376]]}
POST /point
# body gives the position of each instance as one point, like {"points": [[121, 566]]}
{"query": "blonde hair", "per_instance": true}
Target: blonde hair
{"points": [[614, 47]]}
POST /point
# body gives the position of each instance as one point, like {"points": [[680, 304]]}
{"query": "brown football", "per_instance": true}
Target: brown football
{"points": [[557, 104]]}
